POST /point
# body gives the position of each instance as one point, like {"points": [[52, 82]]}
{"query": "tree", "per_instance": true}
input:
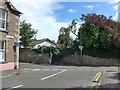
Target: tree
{"points": [[118, 34], [107, 28], [106, 24], [72, 27], [27, 33], [92, 36], [64, 38]]}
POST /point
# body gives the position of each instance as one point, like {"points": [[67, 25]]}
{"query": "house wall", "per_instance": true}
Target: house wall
{"points": [[44, 44], [10, 35]]}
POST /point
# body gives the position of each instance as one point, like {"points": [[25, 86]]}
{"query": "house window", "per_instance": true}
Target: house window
{"points": [[2, 50], [3, 15]]}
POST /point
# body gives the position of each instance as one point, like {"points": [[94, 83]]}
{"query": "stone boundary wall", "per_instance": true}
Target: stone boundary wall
{"points": [[89, 61], [27, 55]]}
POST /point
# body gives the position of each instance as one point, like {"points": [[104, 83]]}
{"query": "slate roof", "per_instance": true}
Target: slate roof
{"points": [[42, 40], [12, 8]]}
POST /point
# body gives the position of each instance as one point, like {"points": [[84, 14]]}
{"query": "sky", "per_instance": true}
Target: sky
{"points": [[49, 16]]}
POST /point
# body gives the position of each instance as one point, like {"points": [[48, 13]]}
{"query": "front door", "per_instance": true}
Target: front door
{"points": [[2, 50]]}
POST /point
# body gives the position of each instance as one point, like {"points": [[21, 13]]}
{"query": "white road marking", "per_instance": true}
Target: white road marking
{"points": [[63, 69], [53, 75], [36, 70], [45, 69], [17, 86], [26, 69]]}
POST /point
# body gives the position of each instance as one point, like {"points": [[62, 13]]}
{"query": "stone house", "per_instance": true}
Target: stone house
{"points": [[9, 35]]}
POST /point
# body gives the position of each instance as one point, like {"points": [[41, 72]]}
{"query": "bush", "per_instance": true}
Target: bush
{"points": [[63, 51], [102, 52], [57, 53], [42, 49]]}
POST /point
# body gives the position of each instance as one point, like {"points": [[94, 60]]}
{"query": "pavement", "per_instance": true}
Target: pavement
{"points": [[64, 77]]}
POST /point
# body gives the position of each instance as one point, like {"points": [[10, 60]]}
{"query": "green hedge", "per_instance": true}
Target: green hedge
{"points": [[42, 49], [103, 53], [62, 52]]}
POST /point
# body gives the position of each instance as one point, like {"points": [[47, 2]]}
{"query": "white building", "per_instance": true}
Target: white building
{"points": [[43, 42]]}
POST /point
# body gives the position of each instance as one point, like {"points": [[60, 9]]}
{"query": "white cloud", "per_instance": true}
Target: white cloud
{"points": [[113, 1], [115, 7], [71, 10], [115, 18], [41, 16], [89, 7]]}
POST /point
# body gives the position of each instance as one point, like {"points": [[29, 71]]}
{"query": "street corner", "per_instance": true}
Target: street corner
{"points": [[14, 72]]}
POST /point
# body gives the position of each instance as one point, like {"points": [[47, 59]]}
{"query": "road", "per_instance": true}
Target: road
{"points": [[49, 76]]}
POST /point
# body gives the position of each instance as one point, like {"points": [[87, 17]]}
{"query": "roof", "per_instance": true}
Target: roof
{"points": [[42, 40], [12, 8]]}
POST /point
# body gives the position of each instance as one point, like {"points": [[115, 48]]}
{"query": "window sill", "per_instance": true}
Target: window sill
{"points": [[1, 30]]}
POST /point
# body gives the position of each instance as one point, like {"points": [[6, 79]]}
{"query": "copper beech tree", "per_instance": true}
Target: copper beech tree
{"points": [[103, 30]]}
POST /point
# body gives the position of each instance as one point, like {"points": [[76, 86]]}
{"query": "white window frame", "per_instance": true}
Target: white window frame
{"points": [[3, 51], [2, 19]]}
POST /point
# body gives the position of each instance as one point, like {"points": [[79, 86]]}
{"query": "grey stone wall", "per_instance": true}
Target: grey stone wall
{"points": [[89, 61], [26, 55]]}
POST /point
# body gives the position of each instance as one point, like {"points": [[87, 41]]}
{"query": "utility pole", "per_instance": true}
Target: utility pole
{"points": [[17, 47], [17, 55], [81, 47], [50, 55]]}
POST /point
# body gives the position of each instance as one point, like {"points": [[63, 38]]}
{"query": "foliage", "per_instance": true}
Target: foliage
{"points": [[57, 53], [44, 49], [72, 27], [118, 34], [99, 35], [60, 52], [103, 52], [106, 24], [64, 38], [27, 34], [99, 20], [63, 51], [92, 36], [118, 26], [108, 32]]}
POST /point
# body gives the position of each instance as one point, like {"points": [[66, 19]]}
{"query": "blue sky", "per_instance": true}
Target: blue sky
{"points": [[47, 17], [73, 10]]}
